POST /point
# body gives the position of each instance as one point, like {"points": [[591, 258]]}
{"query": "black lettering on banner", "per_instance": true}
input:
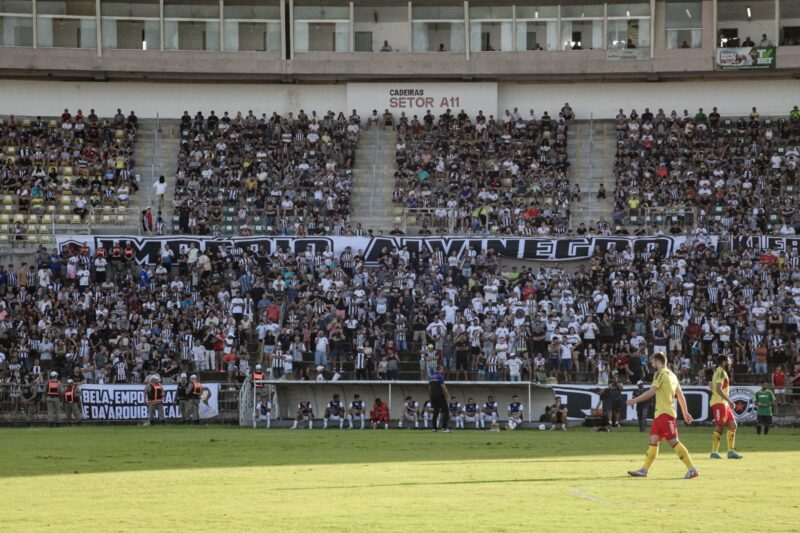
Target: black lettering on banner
{"points": [[148, 249]]}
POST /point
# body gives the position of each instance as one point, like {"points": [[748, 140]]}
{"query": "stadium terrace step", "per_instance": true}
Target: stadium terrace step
{"points": [[592, 147], [373, 181]]}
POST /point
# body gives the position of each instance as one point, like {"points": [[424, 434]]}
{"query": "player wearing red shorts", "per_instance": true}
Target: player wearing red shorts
{"points": [[722, 409], [665, 388]]}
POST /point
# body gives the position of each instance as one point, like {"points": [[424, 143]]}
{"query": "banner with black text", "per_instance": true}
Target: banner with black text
{"points": [[148, 249], [127, 402]]}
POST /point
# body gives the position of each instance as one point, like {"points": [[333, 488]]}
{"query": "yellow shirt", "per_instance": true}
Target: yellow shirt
{"points": [[721, 377], [666, 384]]}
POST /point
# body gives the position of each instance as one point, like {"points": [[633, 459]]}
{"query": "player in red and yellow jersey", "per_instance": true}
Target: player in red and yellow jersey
{"points": [[722, 409], [665, 388]]}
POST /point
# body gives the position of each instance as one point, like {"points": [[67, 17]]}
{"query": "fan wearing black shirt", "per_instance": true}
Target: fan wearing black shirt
{"points": [[439, 394]]}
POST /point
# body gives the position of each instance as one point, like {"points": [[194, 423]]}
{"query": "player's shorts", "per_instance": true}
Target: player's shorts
{"points": [[493, 416], [470, 418], [409, 416], [764, 420], [722, 414], [664, 427], [333, 416], [779, 391]]}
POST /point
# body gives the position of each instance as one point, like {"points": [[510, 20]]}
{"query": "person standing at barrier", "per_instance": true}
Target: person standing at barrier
{"points": [[154, 393], [194, 401], [438, 394], [72, 402], [53, 400], [183, 395], [764, 401], [642, 409], [30, 398]]}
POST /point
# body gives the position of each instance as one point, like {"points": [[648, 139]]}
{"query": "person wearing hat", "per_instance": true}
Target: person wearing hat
{"points": [[258, 375], [72, 402], [643, 409], [183, 395], [154, 393], [53, 400]]}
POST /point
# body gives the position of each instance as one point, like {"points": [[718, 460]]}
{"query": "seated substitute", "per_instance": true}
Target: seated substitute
{"points": [[470, 413], [356, 411], [379, 414], [557, 414], [427, 414], [263, 412], [489, 411], [334, 410], [515, 410], [455, 412], [409, 412], [304, 413]]}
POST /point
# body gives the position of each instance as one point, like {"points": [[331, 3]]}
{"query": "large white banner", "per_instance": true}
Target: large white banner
{"points": [[416, 98], [534, 249], [127, 402]]}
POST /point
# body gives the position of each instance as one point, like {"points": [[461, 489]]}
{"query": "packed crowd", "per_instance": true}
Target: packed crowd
{"points": [[278, 175], [482, 174], [76, 160], [100, 318], [737, 175]]}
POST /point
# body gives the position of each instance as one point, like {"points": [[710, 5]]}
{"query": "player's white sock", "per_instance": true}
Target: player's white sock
{"points": [[310, 424], [416, 424], [386, 425], [324, 424], [341, 423], [400, 424], [350, 420], [362, 421], [425, 417], [294, 426], [269, 420]]}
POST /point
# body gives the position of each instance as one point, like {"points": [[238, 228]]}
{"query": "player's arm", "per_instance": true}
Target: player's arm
{"points": [[643, 397], [721, 393], [682, 402]]}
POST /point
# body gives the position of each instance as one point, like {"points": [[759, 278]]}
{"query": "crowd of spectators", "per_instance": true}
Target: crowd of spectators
{"points": [[482, 174], [76, 162], [278, 175], [300, 316], [724, 175]]}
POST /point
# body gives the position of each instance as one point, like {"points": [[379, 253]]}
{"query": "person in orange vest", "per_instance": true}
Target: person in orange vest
{"points": [[128, 254], [194, 402], [115, 259], [72, 402], [154, 394], [258, 375], [53, 400]]}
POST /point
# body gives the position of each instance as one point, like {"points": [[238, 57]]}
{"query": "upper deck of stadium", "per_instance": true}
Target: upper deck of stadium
{"points": [[324, 40]]}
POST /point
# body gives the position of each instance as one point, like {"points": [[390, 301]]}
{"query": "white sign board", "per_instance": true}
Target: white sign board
{"points": [[417, 98]]}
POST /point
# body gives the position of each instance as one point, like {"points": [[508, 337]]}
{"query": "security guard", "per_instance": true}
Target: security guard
{"points": [[53, 400], [100, 252], [154, 393], [128, 254], [184, 395], [115, 262], [194, 402], [72, 402]]}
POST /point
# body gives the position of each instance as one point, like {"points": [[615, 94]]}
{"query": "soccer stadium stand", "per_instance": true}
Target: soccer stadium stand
{"points": [[72, 169], [275, 175], [457, 174], [724, 175]]}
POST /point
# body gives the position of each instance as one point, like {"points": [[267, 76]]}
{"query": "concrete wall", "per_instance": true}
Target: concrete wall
{"points": [[600, 99]]}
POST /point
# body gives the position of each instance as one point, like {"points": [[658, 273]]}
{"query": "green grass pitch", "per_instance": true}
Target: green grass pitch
{"points": [[234, 479]]}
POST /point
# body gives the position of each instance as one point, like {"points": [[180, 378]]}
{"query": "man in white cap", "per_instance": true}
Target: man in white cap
{"points": [[154, 393], [72, 402], [53, 400], [183, 394]]}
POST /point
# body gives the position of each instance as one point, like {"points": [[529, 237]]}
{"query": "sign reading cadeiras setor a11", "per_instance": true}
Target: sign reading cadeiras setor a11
{"points": [[417, 98]]}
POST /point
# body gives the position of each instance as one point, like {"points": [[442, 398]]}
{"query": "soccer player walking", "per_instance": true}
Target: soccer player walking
{"points": [[665, 388], [722, 409]]}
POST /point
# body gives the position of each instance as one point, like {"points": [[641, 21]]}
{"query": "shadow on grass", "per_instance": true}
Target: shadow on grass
{"points": [[84, 450]]}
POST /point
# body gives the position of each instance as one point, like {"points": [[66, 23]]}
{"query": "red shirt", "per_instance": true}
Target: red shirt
{"points": [[379, 412], [778, 379], [622, 360], [796, 378]]}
